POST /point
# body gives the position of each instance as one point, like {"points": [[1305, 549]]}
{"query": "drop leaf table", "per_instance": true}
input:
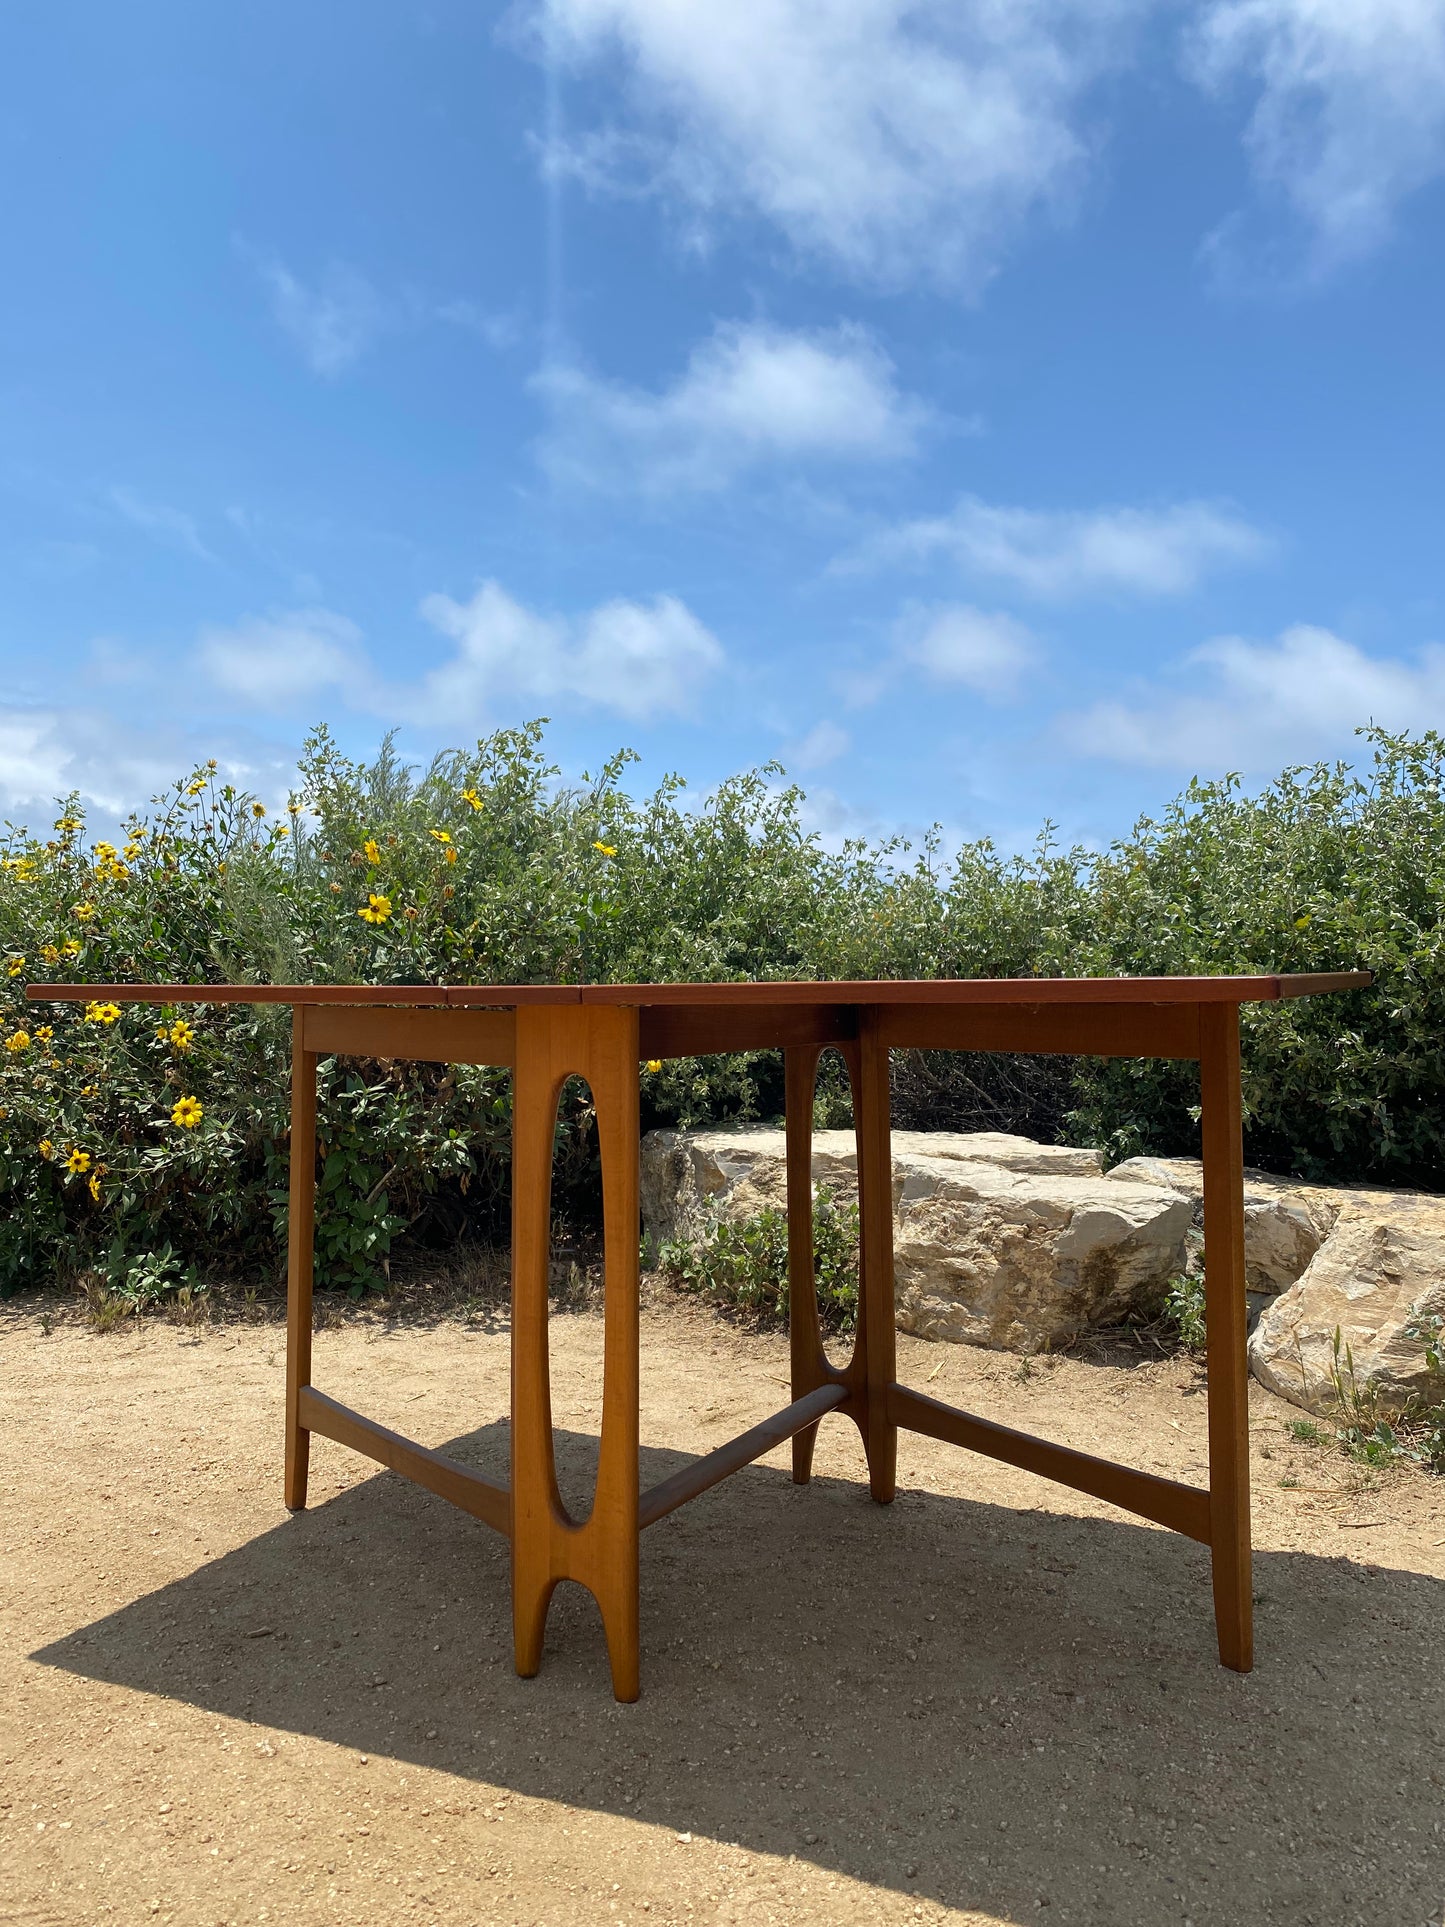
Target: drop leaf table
{"points": [[546, 1033]]}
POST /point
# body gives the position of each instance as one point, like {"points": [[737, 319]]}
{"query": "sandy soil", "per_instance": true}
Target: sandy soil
{"points": [[992, 1701]]}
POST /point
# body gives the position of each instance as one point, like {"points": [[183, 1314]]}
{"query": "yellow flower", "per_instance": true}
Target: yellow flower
{"points": [[471, 799], [47, 1149], [101, 1013], [18, 1041], [49, 954], [280, 829], [103, 853], [180, 1034], [14, 965], [451, 856], [69, 824], [85, 911], [94, 1187], [376, 909], [371, 851], [258, 809], [654, 1063], [604, 849], [70, 948], [187, 1113], [44, 1034], [78, 1163], [163, 1034], [441, 836], [131, 851], [194, 789]]}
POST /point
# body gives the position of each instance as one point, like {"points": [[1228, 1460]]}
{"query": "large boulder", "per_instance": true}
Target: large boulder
{"points": [[1380, 1272], [1285, 1221], [1022, 1260], [997, 1240], [688, 1177]]}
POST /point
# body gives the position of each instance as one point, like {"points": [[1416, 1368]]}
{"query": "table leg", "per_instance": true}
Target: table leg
{"points": [[1225, 1315], [876, 1335], [805, 1339], [554, 1042], [300, 1259]]}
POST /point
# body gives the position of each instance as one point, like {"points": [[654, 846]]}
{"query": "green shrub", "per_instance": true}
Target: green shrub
{"points": [[743, 1264], [133, 1129]]}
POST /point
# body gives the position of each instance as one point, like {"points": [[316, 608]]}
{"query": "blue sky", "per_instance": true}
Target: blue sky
{"points": [[992, 411]]}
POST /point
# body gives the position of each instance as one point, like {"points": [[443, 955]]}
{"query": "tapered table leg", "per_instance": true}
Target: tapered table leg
{"points": [[805, 1339], [1225, 1310], [300, 1258], [554, 1042], [876, 1336]]}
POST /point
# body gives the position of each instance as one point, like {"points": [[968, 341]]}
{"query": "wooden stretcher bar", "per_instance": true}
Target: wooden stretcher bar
{"points": [[1182, 1508], [485, 1499]]}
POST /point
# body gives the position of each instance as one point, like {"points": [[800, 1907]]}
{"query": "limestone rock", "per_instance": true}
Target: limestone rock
{"points": [[997, 1240], [1285, 1222], [1020, 1260], [689, 1176], [1373, 1276]]}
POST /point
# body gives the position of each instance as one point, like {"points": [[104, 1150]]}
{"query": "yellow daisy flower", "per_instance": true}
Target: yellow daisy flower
{"points": [[472, 800], [78, 1163], [85, 911], [440, 836], [93, 1186], [17, 1041], [180, 1034], [14, 965], [187, 1113], [654, 1063], [46, 1148], [101, 1013], [376, 909], [371, 850], [605, 849]]}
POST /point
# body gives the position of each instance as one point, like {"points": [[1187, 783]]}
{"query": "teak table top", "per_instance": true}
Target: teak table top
{"points": [[936, 990]]}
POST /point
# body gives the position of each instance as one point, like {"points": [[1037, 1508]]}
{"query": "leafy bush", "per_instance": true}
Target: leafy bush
{"points": [[129, 1129], [743, 1264]]}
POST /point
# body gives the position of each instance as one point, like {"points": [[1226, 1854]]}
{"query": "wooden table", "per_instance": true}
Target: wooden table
{"points": [[547, 1033]]}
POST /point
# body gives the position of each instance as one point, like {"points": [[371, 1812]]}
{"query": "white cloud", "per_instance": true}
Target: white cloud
{"points": [[953, 643], [824, 743], [749, 394], [1254, 706], [1060, 554], [284, 661], [1350, 109], [333, 321], [902, 141], [45, 752], [638, 659], [172, 528]]}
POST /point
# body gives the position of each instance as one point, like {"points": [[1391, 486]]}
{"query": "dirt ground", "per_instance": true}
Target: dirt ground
{"points": [[993, 1701]]}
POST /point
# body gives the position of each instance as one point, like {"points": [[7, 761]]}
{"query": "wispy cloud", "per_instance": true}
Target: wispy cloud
{"points": [[283, 662], [977, 649], [637, 659], [824, 743], [1349, 112], [1251, 706], [750, 394], [332, 320], [901, 143], [338, 316], [172, 528], [1057, 555]]}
